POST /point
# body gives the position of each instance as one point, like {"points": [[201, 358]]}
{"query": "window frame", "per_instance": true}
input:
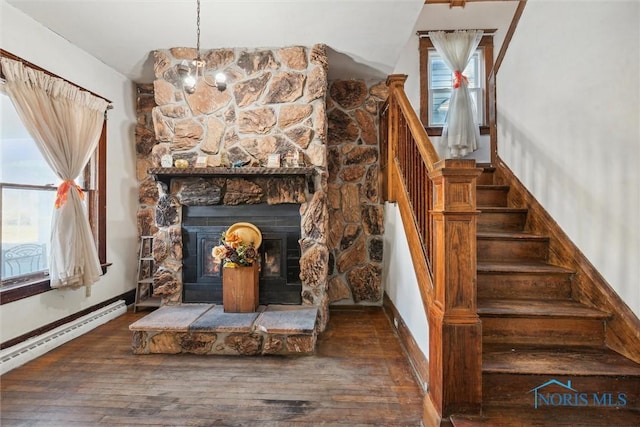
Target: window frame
{"points": [[96, 196], [486, 45]]}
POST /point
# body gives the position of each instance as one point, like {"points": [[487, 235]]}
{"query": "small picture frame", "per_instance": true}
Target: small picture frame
{"points": [[273, 161], [288, 160], [166, 161], [201, 162], [214, 160]]}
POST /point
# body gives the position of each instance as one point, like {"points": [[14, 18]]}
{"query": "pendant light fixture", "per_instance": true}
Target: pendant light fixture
{"points": [[193, 72]]}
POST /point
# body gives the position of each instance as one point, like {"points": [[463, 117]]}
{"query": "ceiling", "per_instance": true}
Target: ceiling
{"points": [[365, 37]]}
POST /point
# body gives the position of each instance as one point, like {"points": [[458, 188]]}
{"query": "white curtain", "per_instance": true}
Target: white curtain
{"points": [[461, 132], [66, 123]]}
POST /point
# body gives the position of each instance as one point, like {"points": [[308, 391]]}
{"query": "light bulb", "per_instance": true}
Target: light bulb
{"points": [[189, 83], [221, 81]]}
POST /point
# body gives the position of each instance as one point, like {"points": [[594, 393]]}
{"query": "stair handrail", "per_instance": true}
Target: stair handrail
{"points": [[407, 157], [437, 203], [418, 132]]}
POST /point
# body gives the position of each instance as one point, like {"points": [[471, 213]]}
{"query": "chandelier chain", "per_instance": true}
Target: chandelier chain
{"points": [[192, 73], [198, 31]]}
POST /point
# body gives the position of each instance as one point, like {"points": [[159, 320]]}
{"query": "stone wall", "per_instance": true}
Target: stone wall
{"points": [[355, 213], [274, 104]]}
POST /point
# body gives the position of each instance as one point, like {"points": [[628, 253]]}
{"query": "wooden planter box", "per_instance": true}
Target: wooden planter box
{"points": [[240, 289]]}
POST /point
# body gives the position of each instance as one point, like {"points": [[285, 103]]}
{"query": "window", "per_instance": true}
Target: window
{"points": [[441, 81], [436, 84], [27, 194]]}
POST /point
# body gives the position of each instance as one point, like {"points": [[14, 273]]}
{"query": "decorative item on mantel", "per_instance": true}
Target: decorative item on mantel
{"points": [[240, 163], [238, 252], [273, 161], [166, 161], [214, 160], [181, 163], [201, 162]]}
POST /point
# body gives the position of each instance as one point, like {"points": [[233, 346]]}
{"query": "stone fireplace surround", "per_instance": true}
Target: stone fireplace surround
{"points": [[276, 102], [196, 191]]}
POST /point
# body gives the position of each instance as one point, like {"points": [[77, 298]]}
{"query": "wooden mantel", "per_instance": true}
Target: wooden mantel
{"points": [[165, 174]]}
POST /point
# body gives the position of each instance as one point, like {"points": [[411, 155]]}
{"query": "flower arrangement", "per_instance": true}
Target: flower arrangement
{"points": [[234, 252]]}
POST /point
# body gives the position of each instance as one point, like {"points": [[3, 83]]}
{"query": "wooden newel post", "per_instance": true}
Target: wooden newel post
{"points": [[455, 331], [394, 82]]}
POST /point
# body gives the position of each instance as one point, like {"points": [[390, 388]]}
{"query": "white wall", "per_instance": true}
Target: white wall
{"points": [[569, 126], [483, 15], [31, 41], [399, 277]]}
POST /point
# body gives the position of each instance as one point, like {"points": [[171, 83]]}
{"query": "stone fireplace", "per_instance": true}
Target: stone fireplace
{"points": [[276, 103]]}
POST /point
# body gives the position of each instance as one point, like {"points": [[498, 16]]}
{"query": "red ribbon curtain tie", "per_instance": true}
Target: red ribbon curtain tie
{"points": [[63, 192], [458, 78]]}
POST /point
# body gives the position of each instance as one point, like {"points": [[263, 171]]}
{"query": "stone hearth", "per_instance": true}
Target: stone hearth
{"points": [[207, 329]]}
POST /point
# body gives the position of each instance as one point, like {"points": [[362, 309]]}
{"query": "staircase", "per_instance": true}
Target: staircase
{"points": [[545, 361]]}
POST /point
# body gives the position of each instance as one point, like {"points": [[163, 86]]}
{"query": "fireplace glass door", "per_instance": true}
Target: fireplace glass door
{"points": [[279, 264]]}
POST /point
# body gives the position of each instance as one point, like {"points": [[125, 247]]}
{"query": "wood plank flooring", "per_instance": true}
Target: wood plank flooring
{"points": [[359, 376]]}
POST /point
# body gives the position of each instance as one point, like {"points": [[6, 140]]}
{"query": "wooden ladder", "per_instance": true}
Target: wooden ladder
{"points": [[144, 284]]}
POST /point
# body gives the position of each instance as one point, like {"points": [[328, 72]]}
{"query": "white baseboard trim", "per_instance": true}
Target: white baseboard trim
{"points": [[19, 354]]}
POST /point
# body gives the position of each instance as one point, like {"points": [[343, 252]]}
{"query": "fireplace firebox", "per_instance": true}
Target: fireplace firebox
{"points": [[202, 226]]}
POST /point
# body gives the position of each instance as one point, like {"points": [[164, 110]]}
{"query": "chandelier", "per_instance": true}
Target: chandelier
{"points": [[193, 72]]}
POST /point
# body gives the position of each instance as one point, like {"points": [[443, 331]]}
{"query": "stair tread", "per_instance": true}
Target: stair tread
{"points": [[500, 209], [492, 187], [509, 235], [497, 358], [535, 267], [518, 416], [529, 307]]}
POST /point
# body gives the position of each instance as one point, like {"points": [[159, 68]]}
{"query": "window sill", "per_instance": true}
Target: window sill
{"points": [[23, 290], [18, 291], [437, 131]]}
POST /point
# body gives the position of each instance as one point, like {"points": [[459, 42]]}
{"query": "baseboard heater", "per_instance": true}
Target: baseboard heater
{"points": [[30, 349]]}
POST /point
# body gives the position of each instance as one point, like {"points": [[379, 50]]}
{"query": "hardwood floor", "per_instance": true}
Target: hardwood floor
{"points": [[358, 376]]}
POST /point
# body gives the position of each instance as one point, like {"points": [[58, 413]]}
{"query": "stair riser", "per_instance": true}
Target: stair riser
{"points": [[515, 389], [512, 250], [485, 178], [491, 197], [501, 221], [514, 286], [543, 331]]}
